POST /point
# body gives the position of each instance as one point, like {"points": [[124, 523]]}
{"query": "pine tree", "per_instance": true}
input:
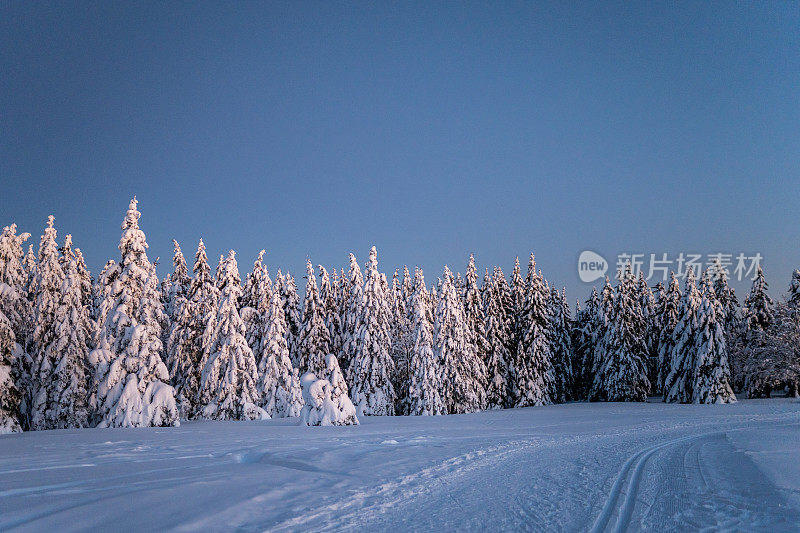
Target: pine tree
{"points": [[314, 342], [402, 347], [463, 373], [534, 378], [294, 323], [352, 310], [668, 313], [228, 381], [10, 396], [129, 372], [584, 339], [275, 384], [623, 373], [561, 346], [67, 390], [605, 321], [372, 366], [345, 410], [650, 329], [498, 338], [189, 341], [17, 311], [329, 298], [794, 291], [774, 361], [473, 311], [46, 293], [758, 306], [425, 388], [175, 286], [679, 382], [711, 372], [254, 302]]}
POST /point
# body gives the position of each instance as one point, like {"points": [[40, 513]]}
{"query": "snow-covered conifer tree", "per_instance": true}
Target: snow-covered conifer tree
{"points": [[774, 362], [67, 390], [561, 345], [330, 307], [498, 334], [46, 294], [668, 312], [463, 373], [175, 286], [758, 306], [131, 377], [352, 310], [584, 339], [473, 311], [605, 319], [314, 341], [228, 383], [294, 322], [10, 396], [402, 344], [794, 291], [274, 366], [623, 373], [345, 410], [679, 381], [711, 372], [372, 366], [650, 329], [425, 388], [255, 300], [533, 364]]}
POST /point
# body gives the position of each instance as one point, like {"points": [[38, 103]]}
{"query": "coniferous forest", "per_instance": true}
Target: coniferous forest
{"points": [[125, 349]]}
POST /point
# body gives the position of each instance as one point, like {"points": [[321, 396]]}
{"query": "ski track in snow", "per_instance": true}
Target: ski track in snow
{"points": [[574, 467]]}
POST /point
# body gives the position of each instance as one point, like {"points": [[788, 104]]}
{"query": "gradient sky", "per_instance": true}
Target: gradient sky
{"points": [[430, 129]]}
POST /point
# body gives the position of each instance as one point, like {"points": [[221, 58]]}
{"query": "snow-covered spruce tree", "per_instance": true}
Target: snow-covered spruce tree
{"points": [[584, 338], [774, 362], [351, 314], [407, 289], [463, 373], [345, 410], [294, 322], [605, 320], [534, 377], [668, 313], [794, 292], [498, 333], [314, 341], [679, 382], [711, 372], [275, 383], [330, 307], [46, 294], [10, 396], [650, 329], [473, 311], [561, 345], [189, 344], [131, 377], [67, 389], [402, 345], [623, 373], [371, 367], [15, 305], [228, 383], [254, 302], [175, 287], [425, 389], [758, 306]]}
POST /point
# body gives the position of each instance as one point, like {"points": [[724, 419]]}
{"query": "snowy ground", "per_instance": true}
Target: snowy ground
{"points": [[567, 467]]}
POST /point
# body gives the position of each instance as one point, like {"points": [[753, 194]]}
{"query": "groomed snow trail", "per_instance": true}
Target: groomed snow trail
{"points": [[575, 467]]}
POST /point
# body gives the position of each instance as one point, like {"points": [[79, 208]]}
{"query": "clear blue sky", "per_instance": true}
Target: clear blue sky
{"points": [[430, 129]]}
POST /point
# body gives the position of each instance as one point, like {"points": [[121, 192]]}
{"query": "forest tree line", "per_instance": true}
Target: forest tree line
{"points": [[127, 349]]}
